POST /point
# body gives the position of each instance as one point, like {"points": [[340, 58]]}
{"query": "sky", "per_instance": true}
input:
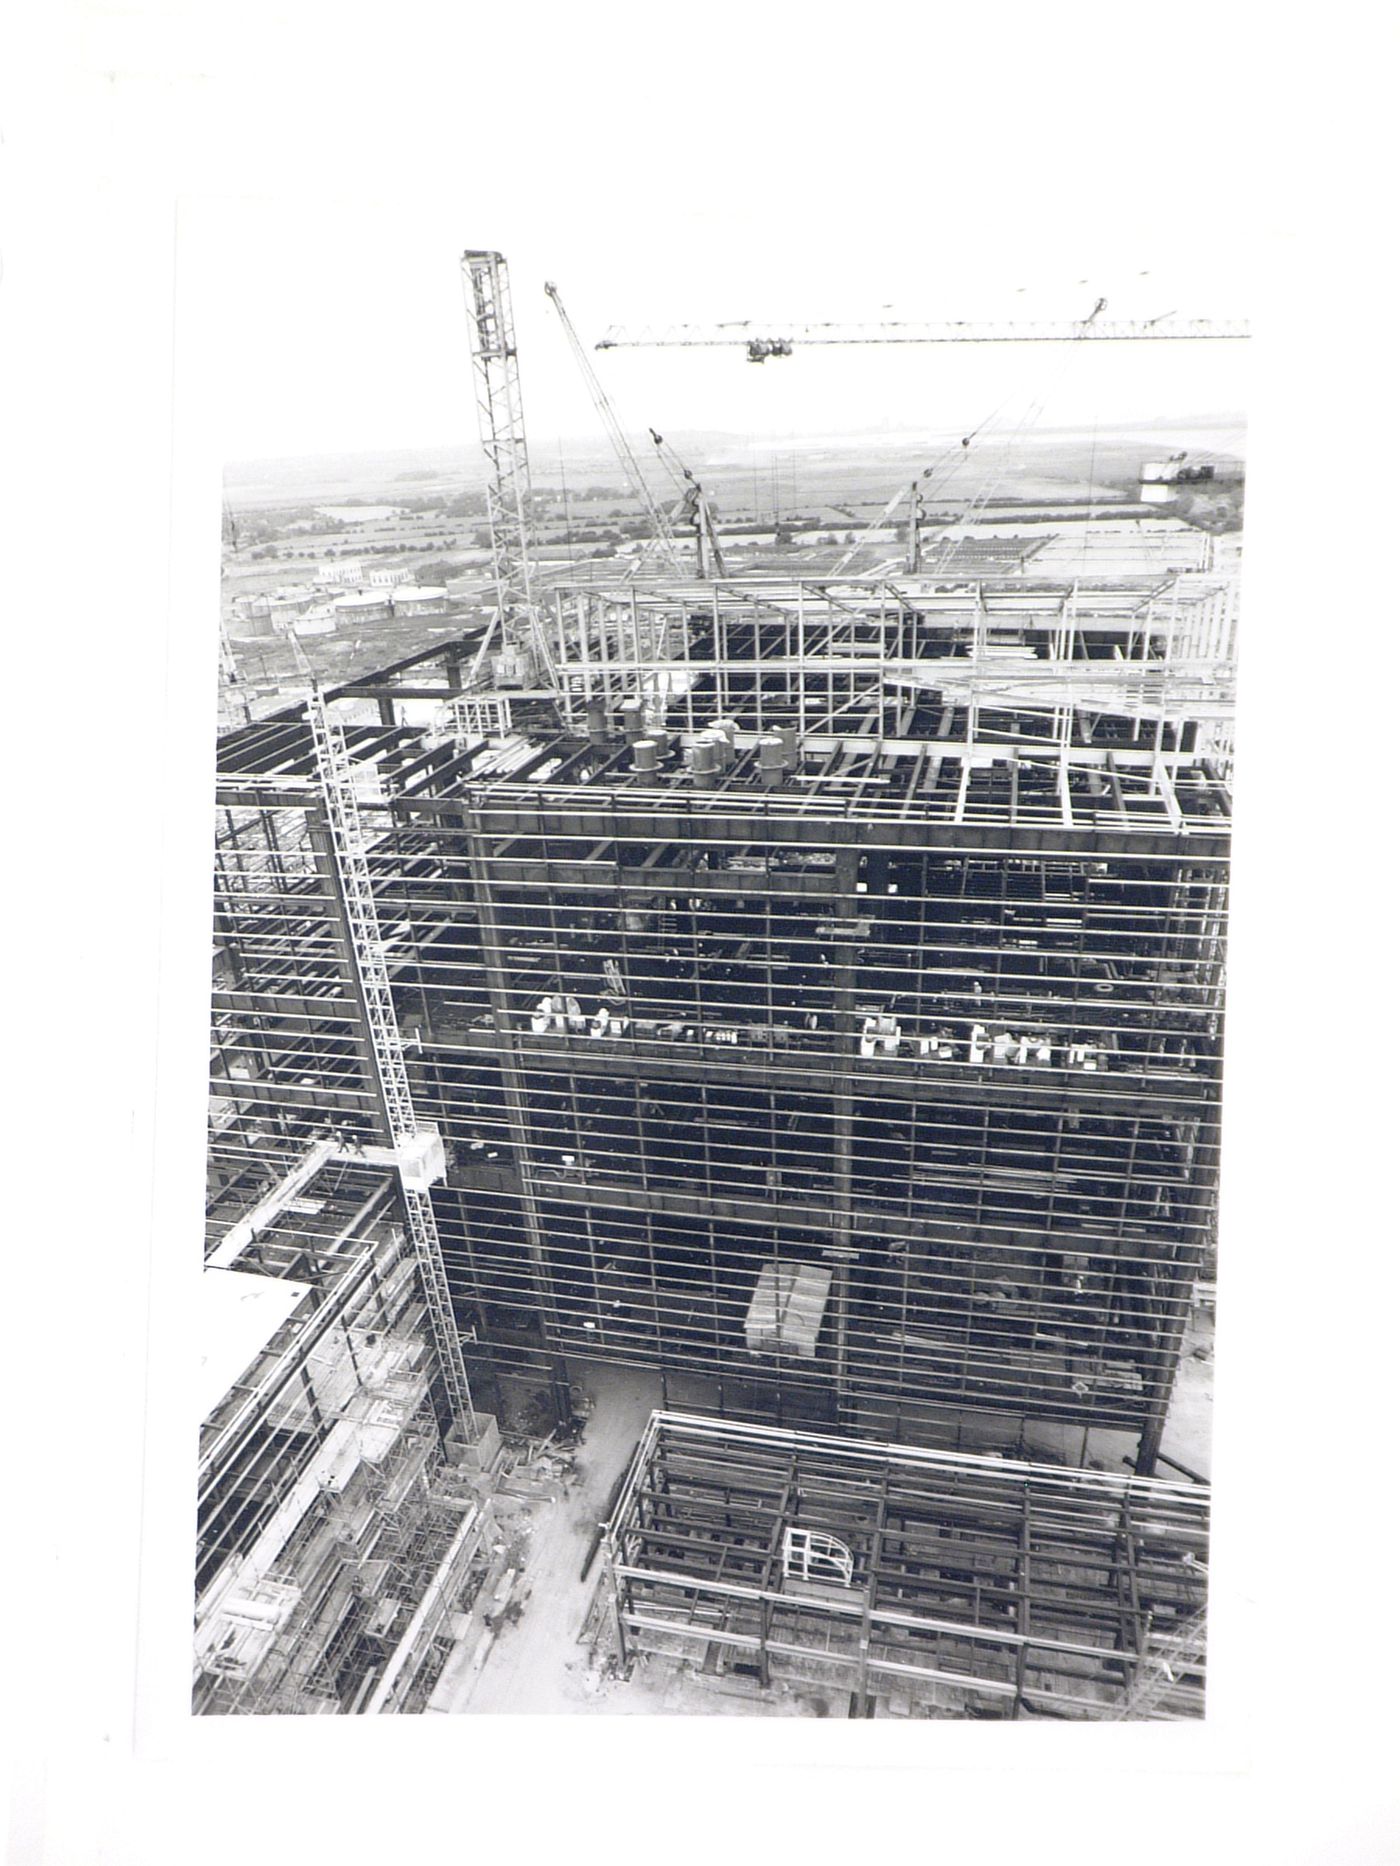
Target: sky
{"points": [[771, 169], [353, 336]]}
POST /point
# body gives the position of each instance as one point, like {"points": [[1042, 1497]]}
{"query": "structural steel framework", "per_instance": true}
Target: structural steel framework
{"points": [[855, 658], [929, 1000], [959, 1585], [809, 988], [333, 1539]]}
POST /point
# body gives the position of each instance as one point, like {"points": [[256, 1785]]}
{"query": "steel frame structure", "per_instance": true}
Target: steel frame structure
{"points": [[865, 1072], [852, 655], [1016, 1194], [753, 941], [963, 1586], [325, 1509], [307, 1062]]}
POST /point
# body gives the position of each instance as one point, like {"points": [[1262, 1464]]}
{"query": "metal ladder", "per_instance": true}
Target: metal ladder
{"points": [[1160, 1669], [336, 773]]}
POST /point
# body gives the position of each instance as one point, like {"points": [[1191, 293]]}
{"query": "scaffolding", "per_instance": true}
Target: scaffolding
{"points": [[417, 1149], [326, 1509]]}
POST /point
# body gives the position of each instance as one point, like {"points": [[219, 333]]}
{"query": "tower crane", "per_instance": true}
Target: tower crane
{"points": [[500, 417], [662, 533], [913, 553], [912, 495], [762, 342]]}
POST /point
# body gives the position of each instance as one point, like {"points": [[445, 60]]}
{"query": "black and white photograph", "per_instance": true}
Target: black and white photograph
{"points": [[725, 1103], [717, 1008]]}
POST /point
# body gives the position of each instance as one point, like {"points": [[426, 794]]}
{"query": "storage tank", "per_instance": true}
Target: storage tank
{"points": [[284, 605], [412, 599], [364, 606], [646, 755], [252, 619]]}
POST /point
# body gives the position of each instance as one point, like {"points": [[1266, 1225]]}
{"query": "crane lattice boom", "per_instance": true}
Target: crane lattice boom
{"points": [[660, 524], [767, 340], [502, 423]]}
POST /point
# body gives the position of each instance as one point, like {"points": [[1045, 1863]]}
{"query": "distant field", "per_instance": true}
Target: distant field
{"points": [[728, 463], [360, 514]]}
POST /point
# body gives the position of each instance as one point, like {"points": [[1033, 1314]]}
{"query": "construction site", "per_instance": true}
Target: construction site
{"points": [[714, 1124]]}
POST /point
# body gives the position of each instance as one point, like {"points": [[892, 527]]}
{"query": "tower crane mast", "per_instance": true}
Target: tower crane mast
{"points": [[501, 420]]}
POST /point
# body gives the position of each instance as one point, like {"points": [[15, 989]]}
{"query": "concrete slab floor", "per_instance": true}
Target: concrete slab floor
{"points": [[536, 1664], [1187, 1434]]}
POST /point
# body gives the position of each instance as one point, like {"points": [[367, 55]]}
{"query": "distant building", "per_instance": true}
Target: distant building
{"points": [[344, 575]]}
